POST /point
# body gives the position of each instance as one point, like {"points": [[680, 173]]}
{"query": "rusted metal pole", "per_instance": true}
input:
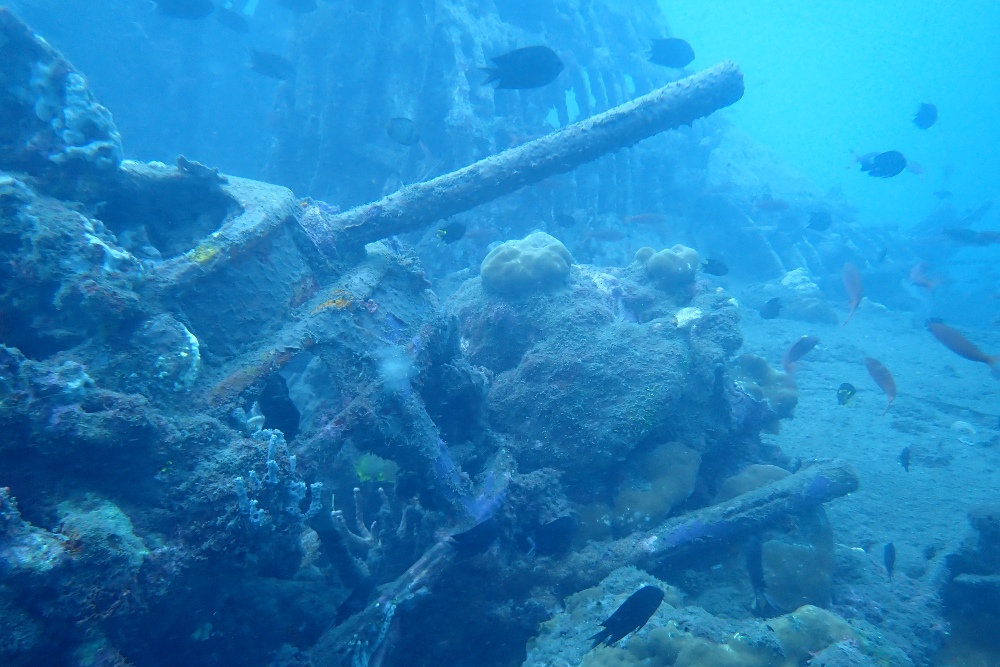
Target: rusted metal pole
{"points": [[724, 522], [413, 207]]}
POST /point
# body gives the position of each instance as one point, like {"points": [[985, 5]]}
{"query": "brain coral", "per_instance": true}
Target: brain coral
{"points": [[673, 267], [536, 262]]}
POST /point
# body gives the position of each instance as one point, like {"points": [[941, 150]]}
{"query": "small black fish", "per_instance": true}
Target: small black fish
{"points": [[671, 52], [889, 556], [278, 409], [904, 459], [403, 131], [845, 393], [555, 537], [185, 9], [356, 601], [299, 6], [235, 21], [451, 232], [564, 219], [630, 616], [820, 221], [714, 267], [771, 308], [884, 165], [272, 65], [477, 539], [530, 67], [763, 605], [926, 116]]}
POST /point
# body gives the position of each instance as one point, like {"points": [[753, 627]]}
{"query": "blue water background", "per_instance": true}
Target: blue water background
{"points": [[824, 78]]}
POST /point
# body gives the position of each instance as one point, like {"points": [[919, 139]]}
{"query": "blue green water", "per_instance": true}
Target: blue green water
{"points": [[825, 78]]}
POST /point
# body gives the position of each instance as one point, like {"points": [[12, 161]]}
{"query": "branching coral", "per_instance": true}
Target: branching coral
{"points": [[383, 540]]}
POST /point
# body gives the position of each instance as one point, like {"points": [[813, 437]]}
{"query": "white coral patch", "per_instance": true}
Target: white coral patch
{"points": [[687, 316]]}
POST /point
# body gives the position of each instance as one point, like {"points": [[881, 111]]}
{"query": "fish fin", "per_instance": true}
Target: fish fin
{"points": [[599, 638], [774, 605], [492, 74], [854, 309]]}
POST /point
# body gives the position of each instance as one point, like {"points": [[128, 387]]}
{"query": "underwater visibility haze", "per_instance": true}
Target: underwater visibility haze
{"points": [[400, 333]]}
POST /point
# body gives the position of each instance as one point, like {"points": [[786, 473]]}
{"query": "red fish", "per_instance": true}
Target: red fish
{"points": [[798, 349], [644, 219], [883, 378], [854, 288], [962, 346]]}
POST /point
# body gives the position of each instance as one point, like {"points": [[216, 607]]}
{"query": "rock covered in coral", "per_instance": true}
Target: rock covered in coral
{"points": [[798, 573], [660, 480], [685, 636], [973, 586], [801, 298], [565, 638], [172, 354], [756, 377], [538, 262], [586, 374], [54, 126], [26, 549], [64, 274], [51, 407]]}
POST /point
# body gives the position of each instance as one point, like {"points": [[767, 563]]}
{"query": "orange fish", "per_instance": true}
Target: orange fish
{"points": [[962, 346], [883, 378], [644, 219], [918, 276], [854, 288], [798, 349]]}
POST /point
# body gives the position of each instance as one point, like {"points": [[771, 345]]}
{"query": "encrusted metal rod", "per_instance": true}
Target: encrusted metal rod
{"points": [[733, 519], [679, 103]]}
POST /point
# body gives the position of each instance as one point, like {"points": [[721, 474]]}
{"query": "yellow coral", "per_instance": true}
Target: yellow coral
{"points": [[664, 478], [203, 252], [800, 634], [339, 300]]}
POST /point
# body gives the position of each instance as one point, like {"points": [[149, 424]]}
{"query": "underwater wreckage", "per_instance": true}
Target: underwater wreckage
{"points": [[149, 311]]}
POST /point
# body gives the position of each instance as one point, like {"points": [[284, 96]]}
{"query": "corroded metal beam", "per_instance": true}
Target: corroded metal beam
{"points": [[728, 521], [413, 207]]}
